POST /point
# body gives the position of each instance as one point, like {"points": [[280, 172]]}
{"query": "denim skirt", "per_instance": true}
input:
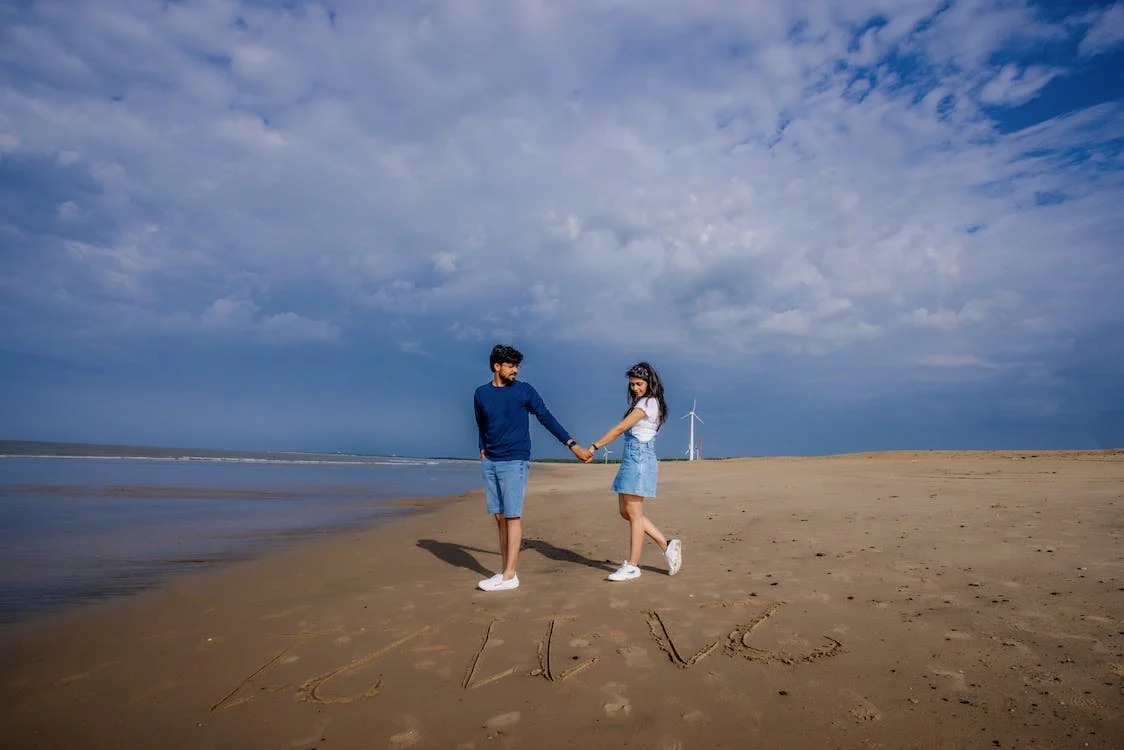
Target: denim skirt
{"points": [[639, 471]]}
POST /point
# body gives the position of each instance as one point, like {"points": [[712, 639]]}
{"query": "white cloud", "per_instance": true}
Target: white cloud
{"points": [[243, 316], [956, 361], [737, 177], [1014, 85], [229, 313], [445, 263], [68, 211], [413, 347], [1106, 32]]}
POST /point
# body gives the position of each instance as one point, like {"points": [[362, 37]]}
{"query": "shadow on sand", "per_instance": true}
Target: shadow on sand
{"points": [[457, 555], [460, 556], [549, 551]]}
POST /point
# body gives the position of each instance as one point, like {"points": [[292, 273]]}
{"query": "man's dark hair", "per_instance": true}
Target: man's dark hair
{"points": [[504, 354]]}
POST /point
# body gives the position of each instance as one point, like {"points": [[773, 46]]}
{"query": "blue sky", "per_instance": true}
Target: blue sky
{"points": [[841, 226]]}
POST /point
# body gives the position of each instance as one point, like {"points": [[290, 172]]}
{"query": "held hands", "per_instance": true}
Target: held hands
{"points": [[584, 454]]}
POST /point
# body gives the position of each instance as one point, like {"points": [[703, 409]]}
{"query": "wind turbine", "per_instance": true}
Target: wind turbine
{"points": [[605, 452], [693, 416]]}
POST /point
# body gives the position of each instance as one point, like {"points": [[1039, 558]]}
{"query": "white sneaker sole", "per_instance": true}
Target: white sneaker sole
{"points": [[674, 557]]}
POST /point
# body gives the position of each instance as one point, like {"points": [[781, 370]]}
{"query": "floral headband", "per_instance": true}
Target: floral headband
{"points": [[640, 371]]}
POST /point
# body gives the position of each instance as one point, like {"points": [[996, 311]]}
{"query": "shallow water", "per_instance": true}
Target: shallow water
{"points": [[80, 529]]}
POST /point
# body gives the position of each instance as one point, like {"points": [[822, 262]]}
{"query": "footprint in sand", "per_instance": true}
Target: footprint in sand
{"points": [[503, 720], [959, 681], [864, 710], [617, 705], [695, 717], [314, 738], [636, 657], [410, 737]]}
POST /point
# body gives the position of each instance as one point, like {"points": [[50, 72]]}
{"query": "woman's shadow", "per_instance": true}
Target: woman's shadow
{"points": [[548, 550], [459, 555]]}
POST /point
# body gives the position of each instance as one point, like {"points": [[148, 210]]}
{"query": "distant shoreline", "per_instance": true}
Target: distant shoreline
{"points": [[47, 449], [50, 449]]}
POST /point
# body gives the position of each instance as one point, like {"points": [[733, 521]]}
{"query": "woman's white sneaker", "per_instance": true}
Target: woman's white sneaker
{"points": [[674, 556], [625, 572]]}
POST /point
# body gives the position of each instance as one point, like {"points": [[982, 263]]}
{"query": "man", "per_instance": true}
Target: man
{"points": [[502, 407]]}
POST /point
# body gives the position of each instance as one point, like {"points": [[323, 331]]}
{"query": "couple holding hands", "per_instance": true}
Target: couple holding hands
{"points": [[502, 407]]}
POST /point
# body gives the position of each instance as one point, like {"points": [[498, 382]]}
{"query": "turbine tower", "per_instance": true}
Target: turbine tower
{"points": [[605, 453], [693, 416]]}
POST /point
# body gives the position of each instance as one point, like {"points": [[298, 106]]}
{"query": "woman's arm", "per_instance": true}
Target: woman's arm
{"points": [[621, 428]]}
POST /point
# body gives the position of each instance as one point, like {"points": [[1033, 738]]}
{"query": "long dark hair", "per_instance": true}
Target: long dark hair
{"points": [[648, 374]]}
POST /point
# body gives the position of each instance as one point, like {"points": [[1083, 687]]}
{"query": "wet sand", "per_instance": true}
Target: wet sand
{"points": [[901, 600]]}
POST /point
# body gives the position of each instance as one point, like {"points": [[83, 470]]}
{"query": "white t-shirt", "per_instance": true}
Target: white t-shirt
{"points": [[645, 429]]}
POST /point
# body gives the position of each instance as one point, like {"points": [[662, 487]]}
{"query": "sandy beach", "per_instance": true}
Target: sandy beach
{"points": [[898, 600]]}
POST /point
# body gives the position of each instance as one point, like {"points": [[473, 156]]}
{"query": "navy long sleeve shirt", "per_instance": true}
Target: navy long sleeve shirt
{"points": [[502, 419]]}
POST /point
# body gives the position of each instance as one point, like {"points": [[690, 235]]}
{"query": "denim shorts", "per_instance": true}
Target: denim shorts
{"points": [[639, 472], [505, 484]]}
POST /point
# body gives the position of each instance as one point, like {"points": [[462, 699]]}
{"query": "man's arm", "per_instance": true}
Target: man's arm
{"points": [[480, 419], [537, 407]]}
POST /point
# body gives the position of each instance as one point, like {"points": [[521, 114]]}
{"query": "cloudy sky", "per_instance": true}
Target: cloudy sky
{"points": [[847, 225]]}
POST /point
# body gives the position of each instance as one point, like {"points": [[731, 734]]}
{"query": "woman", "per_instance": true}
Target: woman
{"points": [[639, 470]]}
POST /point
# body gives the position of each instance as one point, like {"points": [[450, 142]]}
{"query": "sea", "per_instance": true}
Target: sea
{"points": [[81, 523]]}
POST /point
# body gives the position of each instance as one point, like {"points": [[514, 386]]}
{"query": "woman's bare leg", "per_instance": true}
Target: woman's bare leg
{"points": [[632, 509]]}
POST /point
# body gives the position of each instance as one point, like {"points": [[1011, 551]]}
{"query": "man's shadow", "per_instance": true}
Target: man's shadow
{"points": [[456, 555], [459, 555]]}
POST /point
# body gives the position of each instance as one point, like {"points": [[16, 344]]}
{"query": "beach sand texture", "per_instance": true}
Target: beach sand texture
{"points": [[897, 600]]}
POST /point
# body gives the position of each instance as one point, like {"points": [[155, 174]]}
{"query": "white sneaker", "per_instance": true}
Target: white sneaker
{"points": [[493, 579], [674, 556], [625, 572], [497, 583]]}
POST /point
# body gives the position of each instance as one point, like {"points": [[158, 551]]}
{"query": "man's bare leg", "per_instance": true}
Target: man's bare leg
{"points": [[512, 543], [501, 525]]}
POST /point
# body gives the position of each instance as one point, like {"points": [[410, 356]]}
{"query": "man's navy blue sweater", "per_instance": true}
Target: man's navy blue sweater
{"points": [[501, 417]]}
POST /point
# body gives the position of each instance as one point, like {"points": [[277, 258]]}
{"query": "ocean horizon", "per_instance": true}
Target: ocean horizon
{"points": [[83, 522], [56, 449]]}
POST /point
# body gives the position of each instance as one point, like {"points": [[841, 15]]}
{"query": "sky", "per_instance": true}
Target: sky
{"points": [[838, 225]]}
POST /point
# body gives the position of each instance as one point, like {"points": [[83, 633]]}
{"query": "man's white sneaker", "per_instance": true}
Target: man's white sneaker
{"points": [[493, 579], [499, 584], [674, 556], [625, 572]]}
